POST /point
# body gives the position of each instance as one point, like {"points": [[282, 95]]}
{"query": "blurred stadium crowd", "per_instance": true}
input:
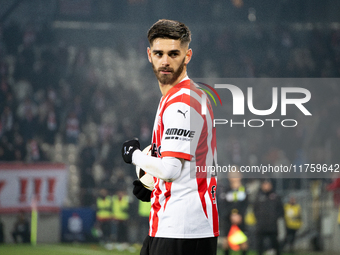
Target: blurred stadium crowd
{"points": [[53, 95], [76, 104]]}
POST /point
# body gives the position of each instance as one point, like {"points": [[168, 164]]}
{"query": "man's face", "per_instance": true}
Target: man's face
{"points": [[169, 59], [292, 201], [103, 192], [266, 186]]}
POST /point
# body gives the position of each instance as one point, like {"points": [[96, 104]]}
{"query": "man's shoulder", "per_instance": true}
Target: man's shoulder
{"points": [[183, 91]]}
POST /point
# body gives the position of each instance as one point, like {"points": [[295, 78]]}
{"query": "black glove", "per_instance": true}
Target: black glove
{"points": [[128, 148], [140, 191]]}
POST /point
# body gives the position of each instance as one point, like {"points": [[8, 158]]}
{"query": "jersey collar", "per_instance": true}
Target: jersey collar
{"points": [[183, 82]]}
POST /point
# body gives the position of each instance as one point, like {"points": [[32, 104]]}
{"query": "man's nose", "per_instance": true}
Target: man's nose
{"points": [[165, 60]]}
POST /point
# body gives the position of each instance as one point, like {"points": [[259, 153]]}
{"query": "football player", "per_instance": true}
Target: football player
{"points": [[183, 217]]}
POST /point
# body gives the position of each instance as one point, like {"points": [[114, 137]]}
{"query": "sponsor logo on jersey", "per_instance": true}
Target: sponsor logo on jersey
{"points": [[179, 134], [179, 111]]}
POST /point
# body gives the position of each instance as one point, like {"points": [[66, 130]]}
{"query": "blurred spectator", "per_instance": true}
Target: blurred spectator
{"points": [[28, 126], [72, 129], [4, 89], [79, 70], [78, 108], [268, 208], [35, 154], [6, 150], [293, 220], [143, 221], [110, 149], [99, 105], [21, 229], [145, 132], [120, 213], [234, 204], [87, 155], [335, 187], [29, 35], [50, 124], [106, 132], [104, 215], [20, 150], [86, 160], [7, 122]]}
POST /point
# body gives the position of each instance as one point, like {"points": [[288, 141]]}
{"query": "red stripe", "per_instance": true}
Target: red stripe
{"points": [[156, 206], [214, 211], [201, 156], [213, 179], [202, 189], [167, 194]]}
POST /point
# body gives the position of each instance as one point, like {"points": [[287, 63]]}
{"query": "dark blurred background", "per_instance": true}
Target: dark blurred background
{"points": [[75, 81]]}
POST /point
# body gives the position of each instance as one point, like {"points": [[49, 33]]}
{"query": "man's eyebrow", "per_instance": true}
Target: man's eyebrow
{"points": [[161, 51], [174, 51]]}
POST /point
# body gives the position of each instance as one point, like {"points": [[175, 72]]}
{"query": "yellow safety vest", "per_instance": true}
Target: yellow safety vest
{"points": [[120, 208], [144, 208], [104, 208], [236, 193], [250, 218], [293, 216]]}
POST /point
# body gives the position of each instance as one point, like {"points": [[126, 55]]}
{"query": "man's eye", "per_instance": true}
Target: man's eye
{"points": [[173, 54], [158, 54]]}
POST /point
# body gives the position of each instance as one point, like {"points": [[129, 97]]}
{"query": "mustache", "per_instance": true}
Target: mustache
{"points": [[165, 69]]}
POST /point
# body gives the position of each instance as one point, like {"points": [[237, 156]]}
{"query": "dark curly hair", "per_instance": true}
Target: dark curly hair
{"points": [[169, 29]]}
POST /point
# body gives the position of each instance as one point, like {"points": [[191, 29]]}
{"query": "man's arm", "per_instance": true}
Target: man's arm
{"points": [[166, 168]]}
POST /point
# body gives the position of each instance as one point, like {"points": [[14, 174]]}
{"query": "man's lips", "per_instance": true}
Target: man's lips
{"points": [[165, 72]]}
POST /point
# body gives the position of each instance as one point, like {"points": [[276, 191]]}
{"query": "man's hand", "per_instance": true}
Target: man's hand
{"points": [[141, 192], [128, 148]]}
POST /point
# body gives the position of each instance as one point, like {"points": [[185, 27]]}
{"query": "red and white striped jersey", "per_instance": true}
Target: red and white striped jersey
{"points": [[185, 207]]}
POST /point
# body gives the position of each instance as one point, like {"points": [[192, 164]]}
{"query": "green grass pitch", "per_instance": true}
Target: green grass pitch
{"points": [[87, 249], [59, 249]]}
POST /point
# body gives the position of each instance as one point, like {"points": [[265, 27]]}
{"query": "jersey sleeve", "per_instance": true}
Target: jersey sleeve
{"points": [[182, 129]]}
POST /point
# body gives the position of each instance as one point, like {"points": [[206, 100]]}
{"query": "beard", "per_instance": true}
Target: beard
{"points": [[168, 78]]}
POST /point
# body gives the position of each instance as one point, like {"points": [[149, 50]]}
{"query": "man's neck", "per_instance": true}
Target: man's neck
{"points": [[166, 87]]}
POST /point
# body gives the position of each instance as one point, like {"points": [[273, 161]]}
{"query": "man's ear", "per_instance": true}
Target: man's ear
{"points": [[149, 54], [188, 56]]}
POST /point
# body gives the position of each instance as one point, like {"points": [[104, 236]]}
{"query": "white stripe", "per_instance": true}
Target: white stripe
{"points": [[180, 93]]}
